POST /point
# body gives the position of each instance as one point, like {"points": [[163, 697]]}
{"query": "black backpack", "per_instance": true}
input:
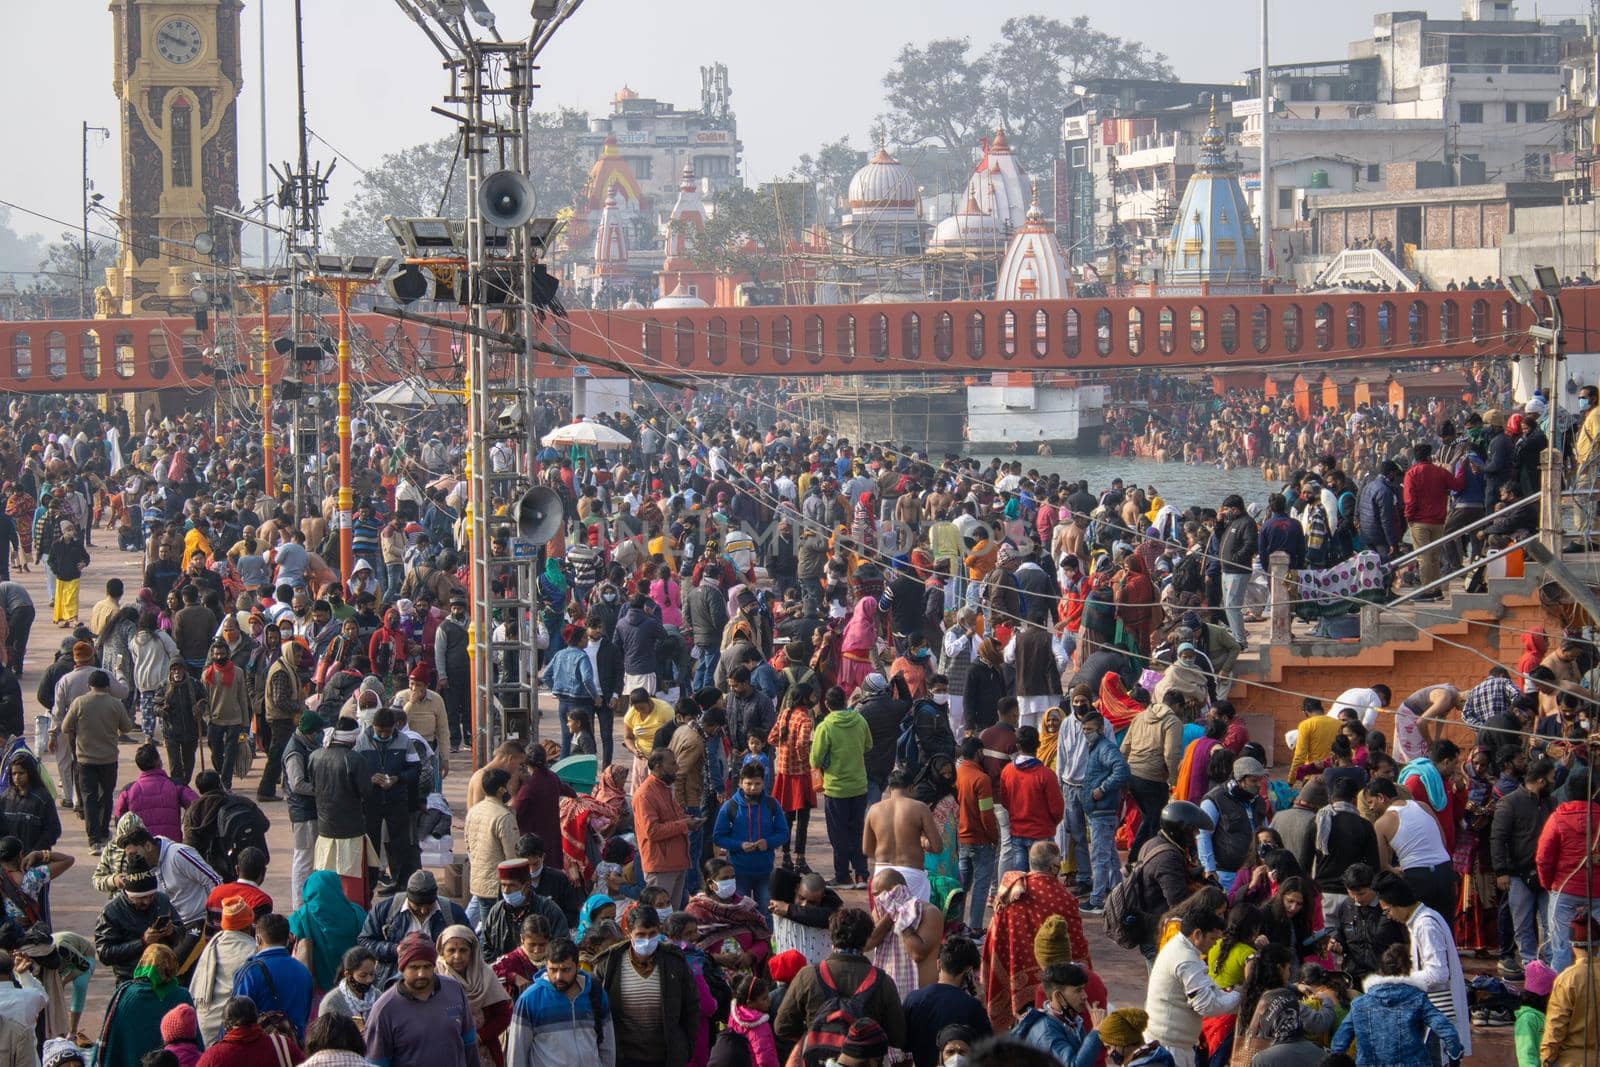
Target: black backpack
{"points": [[240, 825], [1128, 916], [825, 1036]]}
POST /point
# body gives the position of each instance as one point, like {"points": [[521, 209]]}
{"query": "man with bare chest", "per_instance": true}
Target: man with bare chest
{"points": [[900, 831]]}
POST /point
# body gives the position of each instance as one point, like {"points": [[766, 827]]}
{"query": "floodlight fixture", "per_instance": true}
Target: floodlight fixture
{"points": [[481, 14], [421, 234], [545, 9], [1548, 280], [1518, 285]]}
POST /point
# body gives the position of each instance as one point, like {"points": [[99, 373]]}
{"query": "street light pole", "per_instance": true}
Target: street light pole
{"points": [[83, 248]]}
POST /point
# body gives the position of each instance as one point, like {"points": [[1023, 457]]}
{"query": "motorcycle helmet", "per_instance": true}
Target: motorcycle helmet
{"points": [[1181, 820]]}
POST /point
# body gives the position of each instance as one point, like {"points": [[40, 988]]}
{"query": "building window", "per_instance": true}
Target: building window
{"points": [[712, 166], [1535, 112], [1373, 172], [1285, 199], [1080, 155], [1511, 111], [640, 165], [1471, 113], [182, 145]]}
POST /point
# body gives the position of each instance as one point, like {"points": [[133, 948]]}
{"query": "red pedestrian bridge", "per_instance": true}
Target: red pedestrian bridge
{"points": [[1081, 334]]}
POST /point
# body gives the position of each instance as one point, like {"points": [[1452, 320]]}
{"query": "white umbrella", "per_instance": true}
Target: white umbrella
{"points": [[404, 399], [590, 434]]}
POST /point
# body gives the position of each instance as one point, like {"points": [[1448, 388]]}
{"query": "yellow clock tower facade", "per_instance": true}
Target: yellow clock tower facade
{"points": [[177, 80]]}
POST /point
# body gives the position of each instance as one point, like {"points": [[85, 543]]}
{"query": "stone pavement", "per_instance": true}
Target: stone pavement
{"points": [[75, 904]]}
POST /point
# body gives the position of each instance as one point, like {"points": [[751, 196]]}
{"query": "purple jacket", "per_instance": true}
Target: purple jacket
{"points": [[158, 800]]}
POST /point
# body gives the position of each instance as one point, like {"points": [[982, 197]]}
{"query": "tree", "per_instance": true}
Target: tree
{"points": [[830, 170], [936, 94], [744, 234], [943, 94], [415, 181], [61, 267], [1029, 74], [19, 252]]}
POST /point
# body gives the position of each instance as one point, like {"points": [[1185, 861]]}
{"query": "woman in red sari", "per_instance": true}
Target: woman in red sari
{"points": [[1137, 609]]}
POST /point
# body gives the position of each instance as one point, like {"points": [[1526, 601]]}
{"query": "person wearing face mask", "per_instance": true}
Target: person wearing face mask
{"points": [[1072, 836], [549, 880], [1061, 1027], [227, 709], [1237, 809], [751, 827], [502, 925], [563, 1019], [651, 993], [355, 991], [732, 927], [934, 1010]]}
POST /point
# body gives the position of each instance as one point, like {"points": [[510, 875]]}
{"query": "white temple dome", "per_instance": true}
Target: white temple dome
{"points": [[884, 182]]}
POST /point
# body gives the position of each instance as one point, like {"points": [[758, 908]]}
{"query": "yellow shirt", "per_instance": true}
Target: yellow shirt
{"points": [[1229, 973], [644, 727], [1315, 740]]}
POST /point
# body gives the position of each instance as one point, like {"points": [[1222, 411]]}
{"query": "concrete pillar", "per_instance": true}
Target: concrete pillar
{"points": [[1278, 599]]}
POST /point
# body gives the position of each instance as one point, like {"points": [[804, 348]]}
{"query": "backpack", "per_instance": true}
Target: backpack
{"points": [[824, 1039], [240, 825], [1187, 576], [908, 745], [1128, 914]]}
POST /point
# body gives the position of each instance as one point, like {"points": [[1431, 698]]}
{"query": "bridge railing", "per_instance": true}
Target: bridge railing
{"points": [[1090, 334]]}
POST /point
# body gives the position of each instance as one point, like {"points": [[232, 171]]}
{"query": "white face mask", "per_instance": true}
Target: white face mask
{"points": [[646, 946], [956, 1059], [941, 699], [726, 887]]}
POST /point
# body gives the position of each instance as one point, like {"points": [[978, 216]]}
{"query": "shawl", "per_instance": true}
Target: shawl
{"points": [[584, 821], [861, 632], [132, 1023], [1115, 704], [224, 956], [330, 921], [720, 919], [555, 575], [1324, 822], [595, 902], [1011, 971], [611, 789], [1192, 785], [1422, 767], [483, 986], [221, 674], [1049, 735]]}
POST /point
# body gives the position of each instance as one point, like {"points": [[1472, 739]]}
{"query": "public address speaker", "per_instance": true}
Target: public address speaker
{"points": [[506, 199], [538, 514]]}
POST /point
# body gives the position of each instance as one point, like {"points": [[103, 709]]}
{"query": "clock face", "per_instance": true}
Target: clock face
{"points": [[178, 40]]}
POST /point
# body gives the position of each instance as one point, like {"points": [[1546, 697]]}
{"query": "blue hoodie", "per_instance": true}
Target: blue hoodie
{"points": [[739, 820]]}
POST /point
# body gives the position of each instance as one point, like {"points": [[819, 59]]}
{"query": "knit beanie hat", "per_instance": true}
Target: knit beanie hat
{"points": [[1539, 978], [138, 880], [180, 1024], [311, 723], [60, 1052], [1053, 942], [416, 947], [1124, 1027], [866, 1041], [236, 914], [785, 965]]}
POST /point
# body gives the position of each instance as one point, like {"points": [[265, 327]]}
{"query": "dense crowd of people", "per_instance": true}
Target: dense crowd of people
{"points": [[1007, 690]]}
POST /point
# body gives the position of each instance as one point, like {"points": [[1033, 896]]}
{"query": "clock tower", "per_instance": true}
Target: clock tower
{"points": [[177, 80]]}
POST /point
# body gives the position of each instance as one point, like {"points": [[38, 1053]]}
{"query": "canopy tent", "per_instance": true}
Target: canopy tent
{"points": [[586, 434], [403, 399]]}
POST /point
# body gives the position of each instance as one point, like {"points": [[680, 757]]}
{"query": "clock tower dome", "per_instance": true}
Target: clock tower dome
{"points": [[177, 79]]}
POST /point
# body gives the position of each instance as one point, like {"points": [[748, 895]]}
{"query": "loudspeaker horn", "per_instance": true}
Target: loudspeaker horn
{"points": [[538, 514], [506, 199]]}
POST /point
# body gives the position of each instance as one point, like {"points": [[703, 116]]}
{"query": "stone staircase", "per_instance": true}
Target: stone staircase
{"points": [[1362, 265], [1412, 646]]}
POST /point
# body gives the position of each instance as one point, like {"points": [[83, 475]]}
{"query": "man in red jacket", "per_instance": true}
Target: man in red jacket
{"points": [[1031, 796], [1427, 500], [1565, 860]]}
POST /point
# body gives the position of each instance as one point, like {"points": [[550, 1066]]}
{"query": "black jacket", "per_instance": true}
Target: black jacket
{"points": [[1236, 827], [559, 888], [502, 926], [11, 710], [30, 817], [1238, 549], [1352, 841], [1514, 834], [1364, 932], [298, 750], [119, 933], [904, 601], [980, 696], [387, 925], [342, 782], [884, 713], [680, 1004]]}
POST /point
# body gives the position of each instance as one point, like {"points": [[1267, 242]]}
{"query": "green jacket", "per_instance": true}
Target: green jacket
{"points": [[1529, 1033], [839, 746]]}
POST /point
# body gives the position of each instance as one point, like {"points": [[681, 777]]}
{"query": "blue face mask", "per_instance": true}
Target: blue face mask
{"points": [[514, 899]]}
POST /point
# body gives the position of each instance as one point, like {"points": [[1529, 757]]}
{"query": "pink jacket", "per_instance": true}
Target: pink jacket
{"points": [[187, 1052], [757, 1030], [158, 800]]}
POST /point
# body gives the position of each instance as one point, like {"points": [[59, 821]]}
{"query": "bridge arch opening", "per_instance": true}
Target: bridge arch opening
{"points": [[1072, 333], [22, 356], [749, 341], [1008, 333], [1260, 328], [1291, 328], [878, 337], [1230, 329], [683, 342], [1449, 322], [1041, 334], [944, 341], [782, 340], [1322, 326], [1136, 331], [89, 354], [160, 358], [1478, 322], [1102, 331], [1386, 313], [1355, 325], [717, 340], [975, 336], [911, 335], [1167, 331]]}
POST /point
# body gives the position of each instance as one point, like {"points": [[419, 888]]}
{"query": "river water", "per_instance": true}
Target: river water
{"points": [[1179, 484]]}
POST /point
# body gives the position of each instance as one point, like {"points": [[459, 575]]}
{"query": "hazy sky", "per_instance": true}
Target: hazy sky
{"points": [[801, 73]]}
